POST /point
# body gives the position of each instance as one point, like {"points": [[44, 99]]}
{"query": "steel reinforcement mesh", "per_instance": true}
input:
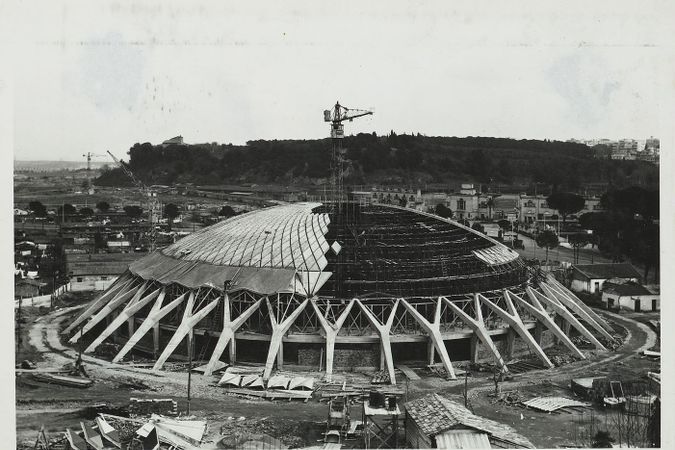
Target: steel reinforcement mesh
{"points": [[402, 253]]}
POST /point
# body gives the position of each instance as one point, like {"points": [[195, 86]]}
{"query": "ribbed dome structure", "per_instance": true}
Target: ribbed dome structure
{"points": [[355, 278]]}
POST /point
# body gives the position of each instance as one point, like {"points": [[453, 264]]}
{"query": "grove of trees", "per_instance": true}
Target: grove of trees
{"points": [[37, 208], [628, 226], [548, 240], [395, 158], [566, 203]]}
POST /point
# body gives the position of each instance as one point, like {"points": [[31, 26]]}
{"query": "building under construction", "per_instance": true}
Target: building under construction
{"points": [[337, 286]]}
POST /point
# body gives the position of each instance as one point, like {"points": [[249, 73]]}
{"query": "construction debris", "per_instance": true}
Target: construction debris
{"points": [[583, 387], [617, 396], [143, 407], [550, 404], [65, 380], [654, 376], [408, 372], [120, 432], [218, 367], [381, 377]]}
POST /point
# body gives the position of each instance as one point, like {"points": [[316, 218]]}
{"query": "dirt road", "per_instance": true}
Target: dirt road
{"points": [[39, 404]]}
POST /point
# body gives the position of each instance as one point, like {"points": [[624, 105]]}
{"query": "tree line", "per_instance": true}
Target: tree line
{"points": [[391, 159]]}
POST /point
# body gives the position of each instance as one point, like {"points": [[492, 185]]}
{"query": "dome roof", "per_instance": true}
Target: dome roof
{"points": [[354, 250]]}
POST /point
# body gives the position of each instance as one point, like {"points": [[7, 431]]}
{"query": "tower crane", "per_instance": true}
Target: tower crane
{"points": [[146, 192], [336, 116], [90, 155], [338, 205]]}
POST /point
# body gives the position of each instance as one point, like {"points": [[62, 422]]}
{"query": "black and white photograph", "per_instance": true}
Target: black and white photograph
{"points": [[336, 225]]}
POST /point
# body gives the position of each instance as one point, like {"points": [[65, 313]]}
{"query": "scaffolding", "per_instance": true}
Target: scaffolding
{"points": [[381, 424]]}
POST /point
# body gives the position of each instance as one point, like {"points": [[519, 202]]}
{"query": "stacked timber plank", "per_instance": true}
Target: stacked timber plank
{"points": [[550, 404]]}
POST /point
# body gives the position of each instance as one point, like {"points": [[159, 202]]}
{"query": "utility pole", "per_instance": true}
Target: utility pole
{"points": [[189, 342]]}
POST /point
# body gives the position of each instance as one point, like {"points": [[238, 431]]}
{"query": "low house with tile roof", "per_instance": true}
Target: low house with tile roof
{"points": [[97, 271], [434, 421], [591, 277], [28, 287], [617, 294]]}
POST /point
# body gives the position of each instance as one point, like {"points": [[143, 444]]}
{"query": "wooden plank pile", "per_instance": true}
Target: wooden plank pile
{"points": [[408, 372], [65, 380], [553, 404]]}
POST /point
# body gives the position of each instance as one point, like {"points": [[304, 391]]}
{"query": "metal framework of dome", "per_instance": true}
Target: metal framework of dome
{"points": [[306, 282]]}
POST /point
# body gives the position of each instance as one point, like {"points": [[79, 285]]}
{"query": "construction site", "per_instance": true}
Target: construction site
{"points": [[334, 324]]}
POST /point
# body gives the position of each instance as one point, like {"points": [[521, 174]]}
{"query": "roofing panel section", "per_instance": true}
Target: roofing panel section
{"points": [[606, 271], [462, 439], [625, 289], [194, 274], [287, 236]]}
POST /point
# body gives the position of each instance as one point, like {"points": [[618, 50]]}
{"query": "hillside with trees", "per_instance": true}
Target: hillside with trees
{"points": [[393, 159]]}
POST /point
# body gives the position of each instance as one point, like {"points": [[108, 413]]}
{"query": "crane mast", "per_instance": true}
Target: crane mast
{"points": [[336, 116], [146, 192], [339, 208], [89, 155]]}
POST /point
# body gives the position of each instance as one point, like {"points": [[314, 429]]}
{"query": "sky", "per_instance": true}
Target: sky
{"points": [[96, 77]]}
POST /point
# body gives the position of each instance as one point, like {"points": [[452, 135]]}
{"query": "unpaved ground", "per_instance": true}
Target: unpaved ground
{"points": [[296, 423]]}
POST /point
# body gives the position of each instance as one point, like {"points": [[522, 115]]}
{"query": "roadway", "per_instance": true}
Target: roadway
{"points": [[562, 254]]}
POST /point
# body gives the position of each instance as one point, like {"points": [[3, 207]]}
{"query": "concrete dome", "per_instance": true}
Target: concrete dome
{"points": [[365, 250], [361, 284]]}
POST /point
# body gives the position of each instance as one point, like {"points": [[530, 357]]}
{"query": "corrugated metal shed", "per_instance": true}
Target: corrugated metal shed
{"points": [[462, 439]]}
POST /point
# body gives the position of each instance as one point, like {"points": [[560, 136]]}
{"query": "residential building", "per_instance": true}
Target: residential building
{"points": [[434, 421], [178, 140], [535, 211], [28, 287], [590, 278], [619, 294], [625, 149], [464, 204], [96, 272]]}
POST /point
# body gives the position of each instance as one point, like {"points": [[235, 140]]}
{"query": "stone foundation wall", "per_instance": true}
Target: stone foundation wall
{"points": [[520, 348], [344, 358]]}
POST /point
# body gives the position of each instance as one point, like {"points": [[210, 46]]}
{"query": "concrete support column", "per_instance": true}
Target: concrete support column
{"points": [[105, 311], [155, 340], [278, 331], [537, 310], [185, 328], [383, 330], [474, 348], [150, 322], [431, 351], [564, 314], [131, 326], [331, 330], [127, 314], [510, 343], [280, 355], [516, 326], [383, 357], [435, 338], [233, 350], [479, 330], [121, 285], [585, 313], [538, 332], [227, 333]]}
